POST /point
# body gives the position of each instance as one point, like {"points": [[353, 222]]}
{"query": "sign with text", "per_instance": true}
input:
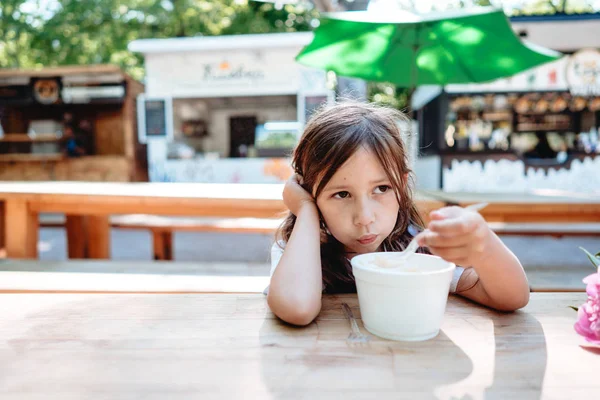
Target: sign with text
{"points": [[583, 73], [94, 94], [225, 71], [222, 74], [578, 73]]}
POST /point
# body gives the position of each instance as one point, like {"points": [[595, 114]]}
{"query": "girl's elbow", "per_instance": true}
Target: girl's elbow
{"points": [[300, 317], [300, 313], [523, 300], [514, 303]]}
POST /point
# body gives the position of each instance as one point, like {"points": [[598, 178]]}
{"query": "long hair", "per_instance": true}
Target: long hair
{"points": [[330, 138]]}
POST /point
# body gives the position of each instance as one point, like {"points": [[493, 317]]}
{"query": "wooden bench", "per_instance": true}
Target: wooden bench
{"points": [[162, 227], [557, 278], [546, 229]]}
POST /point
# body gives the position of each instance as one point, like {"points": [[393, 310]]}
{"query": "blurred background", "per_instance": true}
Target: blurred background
{"points": [[211, 92]]}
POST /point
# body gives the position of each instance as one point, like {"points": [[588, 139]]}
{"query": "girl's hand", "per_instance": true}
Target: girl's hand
{"points": [[457, 235], [294, 195]]}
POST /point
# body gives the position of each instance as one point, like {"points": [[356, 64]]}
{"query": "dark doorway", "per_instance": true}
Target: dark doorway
{"points": [[241, 133]]}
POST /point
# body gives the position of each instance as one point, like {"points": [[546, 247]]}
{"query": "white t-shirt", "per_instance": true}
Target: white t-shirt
{"points": [[277, 252]]}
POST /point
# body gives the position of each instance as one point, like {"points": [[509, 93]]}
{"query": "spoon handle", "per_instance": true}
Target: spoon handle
{"points": [[413, 245], [476, 206]]}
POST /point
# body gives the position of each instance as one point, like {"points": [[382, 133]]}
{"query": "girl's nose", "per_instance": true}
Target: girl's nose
{"points": [[364, 214]]}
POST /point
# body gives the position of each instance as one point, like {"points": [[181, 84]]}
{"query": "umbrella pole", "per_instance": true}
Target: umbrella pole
{"points": [[414, 70], [413, 81]]}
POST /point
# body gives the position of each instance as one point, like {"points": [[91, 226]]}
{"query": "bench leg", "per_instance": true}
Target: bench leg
{"points": [[76, 236], [88, 236], [21, 229], [163, 245], [98, 237], [2, 228]]}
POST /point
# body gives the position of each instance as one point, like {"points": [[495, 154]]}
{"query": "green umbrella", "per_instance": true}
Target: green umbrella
{"points": [[408, 49]]}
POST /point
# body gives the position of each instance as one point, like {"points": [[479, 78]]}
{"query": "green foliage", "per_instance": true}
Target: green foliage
{"points": [[552, 7], [98, 31], [389, 95], [283, 140], [595, 259], [37, 33]]}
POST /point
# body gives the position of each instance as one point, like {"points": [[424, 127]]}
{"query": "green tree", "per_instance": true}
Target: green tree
{"points": [[17, 29], [98, 31], [552, 7]]}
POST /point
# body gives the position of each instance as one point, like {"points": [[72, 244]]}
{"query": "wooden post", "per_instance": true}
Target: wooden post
{"points": [[76, 237], [88, 236], [162, 243], [2, 228], [21, 228], [98, 236]]}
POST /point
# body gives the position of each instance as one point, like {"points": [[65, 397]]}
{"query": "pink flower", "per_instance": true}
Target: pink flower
{"points": [[588, 315], [593, 284]]}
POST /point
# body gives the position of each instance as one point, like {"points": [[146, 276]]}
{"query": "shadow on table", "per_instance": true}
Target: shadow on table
{"points": [[316, 362], [520, 357]]}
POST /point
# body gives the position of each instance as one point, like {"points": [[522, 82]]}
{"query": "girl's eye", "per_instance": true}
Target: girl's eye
{"points": [[341, 195], [382, 188]]}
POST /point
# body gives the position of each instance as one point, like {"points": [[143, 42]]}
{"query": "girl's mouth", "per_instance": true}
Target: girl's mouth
{"points": [[367, 239]]}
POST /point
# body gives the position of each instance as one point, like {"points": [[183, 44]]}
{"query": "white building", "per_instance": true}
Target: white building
{"points": [[226, 108]]}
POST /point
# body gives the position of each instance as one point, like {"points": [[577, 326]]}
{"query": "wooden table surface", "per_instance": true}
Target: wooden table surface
{"points": [[230, 346]]}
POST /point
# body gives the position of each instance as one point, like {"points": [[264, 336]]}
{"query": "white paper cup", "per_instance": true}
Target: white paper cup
{"points": [[406, 303]]}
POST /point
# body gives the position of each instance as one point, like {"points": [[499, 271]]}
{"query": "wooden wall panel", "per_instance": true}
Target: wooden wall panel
{"points": [[109, 133], [94, 169], [26, 172]]}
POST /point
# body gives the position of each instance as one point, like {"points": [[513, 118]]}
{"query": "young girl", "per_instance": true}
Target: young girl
{"points": [[351, 195]]}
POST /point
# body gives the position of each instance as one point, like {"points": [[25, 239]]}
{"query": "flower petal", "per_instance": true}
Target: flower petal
{"points": [[593, 284]]}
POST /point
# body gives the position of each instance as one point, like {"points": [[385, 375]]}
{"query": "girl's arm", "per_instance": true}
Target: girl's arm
{"points": [[497, 278], [296, 285]]}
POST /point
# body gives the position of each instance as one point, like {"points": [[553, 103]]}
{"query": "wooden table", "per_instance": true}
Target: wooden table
{"points": [[230, 346], [539, 206], [88, 206]]}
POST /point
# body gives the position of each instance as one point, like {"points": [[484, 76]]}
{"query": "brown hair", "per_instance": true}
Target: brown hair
{"points": [[330, 138]]}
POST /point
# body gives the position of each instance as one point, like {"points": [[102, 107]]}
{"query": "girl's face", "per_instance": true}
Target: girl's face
{"points": [[358, 204]]}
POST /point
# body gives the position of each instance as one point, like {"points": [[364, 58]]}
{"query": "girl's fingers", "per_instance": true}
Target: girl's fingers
{"points": [[457, 255], [462, 225], [445, 213], [436, 216], [433, 239]]}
